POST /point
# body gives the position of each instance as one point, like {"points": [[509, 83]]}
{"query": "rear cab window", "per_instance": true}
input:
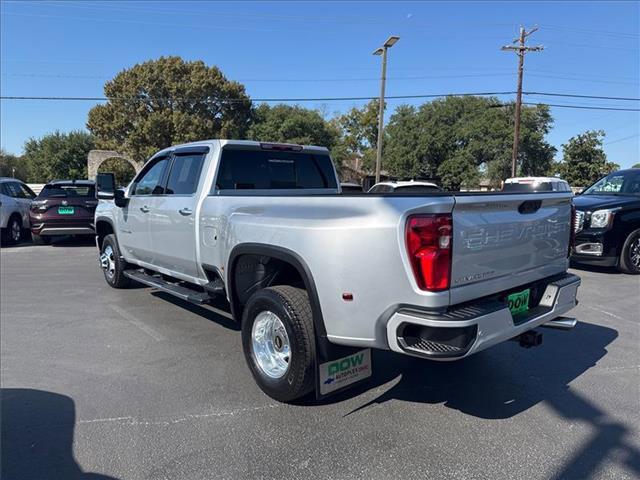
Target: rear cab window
{"points": [[417, 189], [528, 187], [248, 169]]}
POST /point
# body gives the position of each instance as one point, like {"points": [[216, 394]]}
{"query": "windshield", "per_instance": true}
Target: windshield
{"points": [[67, 191], [623, 183]]}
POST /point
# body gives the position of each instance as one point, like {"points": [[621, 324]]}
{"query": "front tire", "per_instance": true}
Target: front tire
{"points": [[278, 342], [13, 233], [112, 263], [630, 255]]}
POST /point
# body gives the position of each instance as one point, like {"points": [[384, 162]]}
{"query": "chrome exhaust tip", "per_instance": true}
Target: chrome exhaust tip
{"points": [[563, 323]]}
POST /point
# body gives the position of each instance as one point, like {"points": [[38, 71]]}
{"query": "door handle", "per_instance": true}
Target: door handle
{"points": [[185, 211], [144, 209]]}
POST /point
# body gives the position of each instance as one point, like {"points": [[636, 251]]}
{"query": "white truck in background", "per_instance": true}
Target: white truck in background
{"points": [[317, 277]]}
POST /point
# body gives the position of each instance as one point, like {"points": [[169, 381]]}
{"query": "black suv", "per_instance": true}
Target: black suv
{"points": [[608, 222]]}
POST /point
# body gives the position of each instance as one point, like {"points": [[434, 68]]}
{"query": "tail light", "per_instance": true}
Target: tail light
{"points": [[572, 234], [39, 206], [428, 239]]}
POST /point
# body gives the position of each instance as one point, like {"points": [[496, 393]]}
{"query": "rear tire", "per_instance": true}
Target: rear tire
{"points": [[630, 255], [112, 263], [279, 343], [40, 240], [13, 233]]}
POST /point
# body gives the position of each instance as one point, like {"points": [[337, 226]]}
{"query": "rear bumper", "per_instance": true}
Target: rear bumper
{"points": [[475, 327], [70, 228]]}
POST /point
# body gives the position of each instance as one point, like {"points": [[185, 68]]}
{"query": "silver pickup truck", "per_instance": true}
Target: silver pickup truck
{"points": [[317, 277]]}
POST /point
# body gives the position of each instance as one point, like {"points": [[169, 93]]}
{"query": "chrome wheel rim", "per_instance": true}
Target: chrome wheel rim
{"points": [[108, 262], [270, 345], [15, 231], [634, 252]]}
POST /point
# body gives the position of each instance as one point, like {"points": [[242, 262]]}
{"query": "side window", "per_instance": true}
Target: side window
{"points": [[14, 190], [4, 189], [150, 183], [26, 191], [185, 173]]}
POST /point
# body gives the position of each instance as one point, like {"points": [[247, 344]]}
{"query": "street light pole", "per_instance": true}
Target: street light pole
{"points": [[382, 51]]}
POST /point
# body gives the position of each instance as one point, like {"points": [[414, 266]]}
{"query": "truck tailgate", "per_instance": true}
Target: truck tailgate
{"points": [[502, 241]]}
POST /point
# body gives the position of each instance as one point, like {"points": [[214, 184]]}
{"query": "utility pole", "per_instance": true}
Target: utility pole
{"points": [[521, 49], [382, 51]]}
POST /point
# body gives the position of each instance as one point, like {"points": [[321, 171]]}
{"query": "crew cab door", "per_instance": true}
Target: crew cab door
{"points": [[133, 220], [173, 216]]}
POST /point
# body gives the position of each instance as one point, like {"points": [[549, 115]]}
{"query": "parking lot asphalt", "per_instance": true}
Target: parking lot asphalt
{"points": [[130, 384]]}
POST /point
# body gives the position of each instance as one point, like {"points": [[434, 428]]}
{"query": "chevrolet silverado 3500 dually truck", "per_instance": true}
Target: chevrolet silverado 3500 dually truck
{"points": [[317, 277]]}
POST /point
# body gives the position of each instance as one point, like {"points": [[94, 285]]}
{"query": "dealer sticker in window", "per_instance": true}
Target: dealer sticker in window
{"points": [[339, 373]]}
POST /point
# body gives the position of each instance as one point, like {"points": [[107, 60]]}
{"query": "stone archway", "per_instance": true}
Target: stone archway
{"points": [[96, 157]]}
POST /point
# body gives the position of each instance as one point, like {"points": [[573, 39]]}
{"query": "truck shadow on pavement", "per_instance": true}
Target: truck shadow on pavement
{"points": [[37, 436], [217, 311], [507, 380], [77, 241]]}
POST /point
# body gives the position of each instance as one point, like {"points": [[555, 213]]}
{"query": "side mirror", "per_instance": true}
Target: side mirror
{"points": [[120, 199], [105, 186]]}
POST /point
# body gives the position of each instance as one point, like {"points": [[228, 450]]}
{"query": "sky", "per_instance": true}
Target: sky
{"points": [[324, 49]]}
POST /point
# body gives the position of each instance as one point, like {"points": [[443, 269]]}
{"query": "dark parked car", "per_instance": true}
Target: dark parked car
{"points": [[608, 222], [63, 207]]}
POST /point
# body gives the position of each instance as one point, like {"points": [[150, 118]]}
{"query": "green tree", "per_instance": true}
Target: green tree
{"points": [[583, 159], [12, 165], [450, 139], [458, 171], [292, 124], [123, 170], [167, 101], [358, 129], [58, 156], [637, 165]]}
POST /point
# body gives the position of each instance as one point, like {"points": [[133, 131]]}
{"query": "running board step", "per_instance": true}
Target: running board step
{"points": [[215, 288], [179, 291]]}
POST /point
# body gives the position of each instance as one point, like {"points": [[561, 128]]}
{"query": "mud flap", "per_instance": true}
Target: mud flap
{"points": [[339, 368]]}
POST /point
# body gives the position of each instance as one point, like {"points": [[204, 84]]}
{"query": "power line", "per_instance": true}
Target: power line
{"points": [[580, 79], [622, 139], [288, 80], [547, 94], [575, 95], [322, 99], [588, 31], [231, 100], [315, 18], [594, 45], [585, 107]]}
